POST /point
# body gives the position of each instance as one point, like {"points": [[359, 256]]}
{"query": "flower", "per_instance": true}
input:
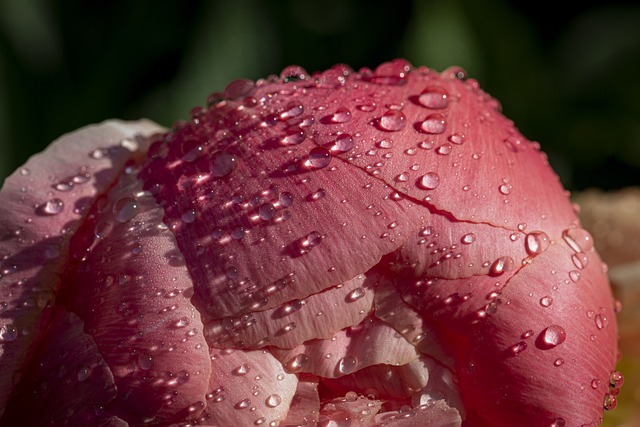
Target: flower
{"points": [[378, 247]]}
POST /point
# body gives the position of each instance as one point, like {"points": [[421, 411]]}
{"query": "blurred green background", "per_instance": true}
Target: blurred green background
{"points": [[568, 77]]}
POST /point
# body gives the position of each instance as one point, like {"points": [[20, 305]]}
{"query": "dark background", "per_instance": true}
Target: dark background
{"points": [[567, 75]]}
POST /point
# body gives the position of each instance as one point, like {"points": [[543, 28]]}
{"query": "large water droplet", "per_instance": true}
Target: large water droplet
{"points": [[610, 401], [578, 239], [429, 181], [434, 124], [552, 336], [318, 158], [434, 97], [222, 164], [145, 361], [501, 265], [294, 136], [536, 242], [8, 333], [580, 260], [342, 115], [266, 211], [393, 121], [297, 363], [126, 209], [294, 109], [53, 207], [356, 294], [343, 144], [273, 400], [467, 239], [347, 364], [285, 199], [239, 89], [505, 189]]}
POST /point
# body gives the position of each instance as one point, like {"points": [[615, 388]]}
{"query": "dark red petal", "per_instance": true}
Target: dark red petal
{"points": [[67, 383], [128, 282], [42, 204]]}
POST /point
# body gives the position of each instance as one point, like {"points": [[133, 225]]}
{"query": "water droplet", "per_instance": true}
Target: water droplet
{"points": [[595, 383], [536, 242], [546, 301], [558, 362], [145, 361], [239, 88], [294, 136], [505, 189], [285, 199], [434, 124], [343, 144], [444, 149], [318, 158], [242, 370], [297, 363], [501, 265], [616, 380], [580, 260], [222, 164], [294, 109], [181, 322], [467, 239], [289, 327], [188, 216], [385, 143], [552, 336], [601, 321], [318, 194], [273, 401], [293, 73], [578, 239], [125, 209], [429, 181], [356, 294], [518, 348], [367, 106], [434, 97], [393, 121], [574, 275], [244, 403], [238, 233], [266, 211], [457, 138], [8, 333], [53, 207], [83, 373], [347, 364], [558, 422], [610, 401], [342, 115], [193, 154], [311, 240], [403, 177]]}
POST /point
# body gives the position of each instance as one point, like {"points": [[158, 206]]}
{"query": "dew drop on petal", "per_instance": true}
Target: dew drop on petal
{"points": [[434, 97], [292, 110], [469, 238], [393, 121], [222, 164], [552, 336], [266, 211], [188, 216], [297, 363], [518, 348], [273, 400], [53, 207], [429, 181], [546, 301], [8, 333], [501, 265], [241, 370], [457, 138], [444, 149], [574, 275], [536, 242], [318, 158], [125, 209], [578, 239], [356, 294], [343, 144], [145, 361], [293, 136], [342, 115], [580, 260], [505, 189], [239, 88], [347, 364], [434, 124], [610, 401], [285, 199]]}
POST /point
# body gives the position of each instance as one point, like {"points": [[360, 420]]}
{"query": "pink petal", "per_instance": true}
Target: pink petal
{"points": [[305, 405], [129, 284], [248, 388], [68, 381], [436, 414], [349, 350], [294, 322], [563, 346], [349, 410], [43, 203]]}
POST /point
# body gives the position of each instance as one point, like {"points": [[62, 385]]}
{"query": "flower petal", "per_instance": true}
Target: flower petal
{"points": [[42, 204]]}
